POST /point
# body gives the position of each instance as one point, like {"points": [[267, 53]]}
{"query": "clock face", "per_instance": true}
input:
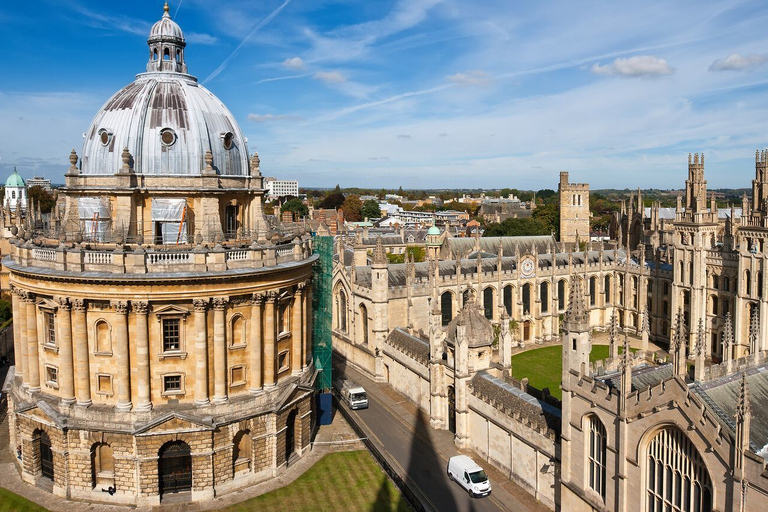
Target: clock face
{"points": [[527, 267]]}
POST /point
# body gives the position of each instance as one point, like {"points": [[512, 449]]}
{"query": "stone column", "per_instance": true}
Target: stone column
{"points": [[219, 350], [123, 356], [33, 358], [20, 335], [297, 331], [308, 329], [144, 383], [82, 357], [269, 341], [201, 352], [66, 366], [255, 343], [306, 334]]}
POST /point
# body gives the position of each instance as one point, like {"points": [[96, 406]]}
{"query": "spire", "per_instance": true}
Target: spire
{"points": [[379, 256], [728, 342], [743, 408], [625, 366], [678, 345], [743, 424], [613, 348], [576, 319], [754, 332], [700, 351]]}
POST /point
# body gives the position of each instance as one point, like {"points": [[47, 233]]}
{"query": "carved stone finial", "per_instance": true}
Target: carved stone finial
{"points": [[126, 157], [73, 159], [208, 162], [255, 164]]}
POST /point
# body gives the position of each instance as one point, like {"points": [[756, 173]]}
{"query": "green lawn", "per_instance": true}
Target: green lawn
{"points": [[349, 481], [543, 366], [10, 502]]}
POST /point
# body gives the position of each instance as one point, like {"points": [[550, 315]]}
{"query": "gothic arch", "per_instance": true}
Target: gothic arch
{"points": [[363, 311]]}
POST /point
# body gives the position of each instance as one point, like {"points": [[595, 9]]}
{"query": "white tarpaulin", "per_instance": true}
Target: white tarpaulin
{"points": [[168, 215], [94, 217]]}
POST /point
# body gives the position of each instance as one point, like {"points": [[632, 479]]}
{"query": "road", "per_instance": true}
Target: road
{"points": [[421, 453]]}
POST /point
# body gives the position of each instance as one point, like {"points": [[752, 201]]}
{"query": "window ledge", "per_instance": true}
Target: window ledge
{"points": [[237, 347], [237, 384], [103, 354], [174, 393], [51, 384], [168, 355], [283, 335], [105, 393], [51, 348]]}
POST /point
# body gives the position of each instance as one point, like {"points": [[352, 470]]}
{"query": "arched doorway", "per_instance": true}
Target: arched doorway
{"points": [[175, 467], [451, 409], [290, 435], [527, 330], [46, 455]]}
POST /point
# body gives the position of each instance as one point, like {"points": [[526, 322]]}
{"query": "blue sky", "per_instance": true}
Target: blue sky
{"points": [[417, 93]]}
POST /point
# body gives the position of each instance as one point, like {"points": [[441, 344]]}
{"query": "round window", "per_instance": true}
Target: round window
{"points": [[105, 137], [228, 140], [167, 136]]}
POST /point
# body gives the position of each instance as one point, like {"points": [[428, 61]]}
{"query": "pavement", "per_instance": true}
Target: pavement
{"points": [[437, 446]]}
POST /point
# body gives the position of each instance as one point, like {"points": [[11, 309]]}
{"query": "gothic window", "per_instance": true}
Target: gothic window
{"points": [[665, 308], [634, 291], [596, 456], [342, 311], [747, 282], [561, 294], [690, 273], [666, 288], [726, 283], [677, 479], [620, 291], [607, 289], [364, 323], [527, 298], [760, 284], [715, 282], [714, 305], [544, 296], [592, 291], [726, 306], [508, 299], [446, 307], [488, 303]]}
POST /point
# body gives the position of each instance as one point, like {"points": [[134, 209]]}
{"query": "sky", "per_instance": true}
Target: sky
{"points": [[416, 93]]}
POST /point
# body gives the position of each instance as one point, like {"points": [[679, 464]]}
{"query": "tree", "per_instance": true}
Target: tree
{"points": [[549, 216], [41, 197], [517, 227], [352, 206], [333, 200], [370, 209], [296, 206]]}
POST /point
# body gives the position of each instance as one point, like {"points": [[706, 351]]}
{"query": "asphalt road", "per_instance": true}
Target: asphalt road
{"points": [[411, 448]]}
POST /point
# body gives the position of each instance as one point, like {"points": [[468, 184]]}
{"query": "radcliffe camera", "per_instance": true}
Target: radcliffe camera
{"points": [[384, 256]]}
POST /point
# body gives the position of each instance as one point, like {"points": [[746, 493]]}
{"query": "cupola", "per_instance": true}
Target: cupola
{"points": [[166, 46]]}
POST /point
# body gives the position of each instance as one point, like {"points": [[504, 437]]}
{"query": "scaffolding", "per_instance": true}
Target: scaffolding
{"points": [[322, 312]]}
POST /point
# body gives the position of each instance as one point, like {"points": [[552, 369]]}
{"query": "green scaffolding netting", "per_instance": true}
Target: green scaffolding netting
{"points": [[321, 311]]}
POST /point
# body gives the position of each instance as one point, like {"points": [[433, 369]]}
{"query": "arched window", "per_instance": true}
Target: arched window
{"points": [[544, 296], [154, 54], [527, 298], [682, 275], [620, 291], [747, 282], [342, 311], [364, 323], [561, 294], [634, 291], [178, 55], [726, 283], [241, 452], [760, 284], [714, 304], [166, 54], [726, 306], [677, 479], [102, 466], [596, 456], [488, 303], [690, 273], [446, 307], [607, 289], [592, 291], [508, 299]]}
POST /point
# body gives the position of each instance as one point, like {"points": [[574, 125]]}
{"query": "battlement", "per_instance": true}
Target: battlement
{"points": [[565, 185], [761, 157], [695, 161]]}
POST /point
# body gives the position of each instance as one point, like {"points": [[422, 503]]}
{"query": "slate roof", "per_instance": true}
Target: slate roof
{"points": [[414, 346], [490, 245], [643, 376], [722, 396]]}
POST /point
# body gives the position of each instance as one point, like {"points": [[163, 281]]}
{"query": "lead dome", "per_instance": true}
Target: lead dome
{"points": [[166, 120]]}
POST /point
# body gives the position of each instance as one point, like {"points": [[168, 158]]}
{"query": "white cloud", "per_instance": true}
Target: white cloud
{"points": [[637, 66], [738, 62], [200, 38], [330, 77], [294, 63], [263, 118], [476, 77]]}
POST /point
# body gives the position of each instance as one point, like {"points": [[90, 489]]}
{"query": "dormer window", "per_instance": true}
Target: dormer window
{"points": [[105, 136], [227, 140], [168, 136]]}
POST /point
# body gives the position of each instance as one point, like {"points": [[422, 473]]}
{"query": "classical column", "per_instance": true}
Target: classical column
{"points": [[219, 350], [82, 362], [20, 335], [123, 357], [66, 366], [201, 351], [255, 342], [33, 358], [269, 340], [297, 329], [144, 382]]}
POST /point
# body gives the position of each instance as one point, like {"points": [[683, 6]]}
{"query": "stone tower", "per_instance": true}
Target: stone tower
{"points": [[380, 314], [574, 210]]}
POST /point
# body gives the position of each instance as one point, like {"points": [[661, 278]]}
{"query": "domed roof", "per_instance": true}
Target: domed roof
{"points": [[14, 180], [434, 230], [166, 28], [166, 119], [478, 329]]}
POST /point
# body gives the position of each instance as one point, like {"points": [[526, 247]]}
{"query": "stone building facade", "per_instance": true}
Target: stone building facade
{"points": [[574, 210], [161, 333]]}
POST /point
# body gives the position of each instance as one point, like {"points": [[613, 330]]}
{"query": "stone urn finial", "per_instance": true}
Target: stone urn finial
{"points": [[126, 156], [208, 162], [73, 162]]}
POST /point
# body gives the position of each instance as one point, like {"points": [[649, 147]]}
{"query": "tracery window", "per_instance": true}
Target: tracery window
{"points": [[544, 296], [677, 477], [561, 294], [596, 456], [446, 308]]}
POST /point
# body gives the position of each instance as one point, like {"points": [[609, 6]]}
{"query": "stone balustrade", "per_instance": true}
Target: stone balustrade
{"points": [[138, 259]]}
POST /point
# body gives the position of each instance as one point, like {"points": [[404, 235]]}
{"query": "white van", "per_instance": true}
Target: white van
{"points": [[469, 475], [354, 395]]}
